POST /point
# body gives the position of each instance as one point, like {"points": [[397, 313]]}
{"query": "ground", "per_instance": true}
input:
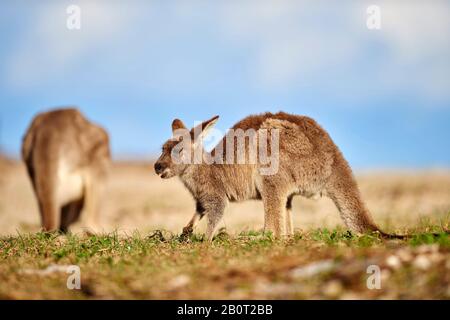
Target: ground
{"points": [[141, 255], [320, 264]]}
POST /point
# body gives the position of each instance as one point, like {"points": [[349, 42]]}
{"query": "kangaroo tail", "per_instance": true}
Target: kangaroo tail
{"points": [[343, 190], [407, 236]]}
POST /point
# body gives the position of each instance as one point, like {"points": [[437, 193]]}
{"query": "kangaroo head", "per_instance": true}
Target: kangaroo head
{"points": [[181, 150]]}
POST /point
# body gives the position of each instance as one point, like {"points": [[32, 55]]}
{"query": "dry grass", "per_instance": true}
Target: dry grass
{"points": [[313, 265], [138, 200], [241, 263]]}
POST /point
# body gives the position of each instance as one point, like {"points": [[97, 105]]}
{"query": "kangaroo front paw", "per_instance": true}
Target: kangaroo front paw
{"points": [[187, 232], [92, 230]]}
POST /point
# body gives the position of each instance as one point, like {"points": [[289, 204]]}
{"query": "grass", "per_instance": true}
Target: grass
{"points": [[250, 265], [158, 265]]}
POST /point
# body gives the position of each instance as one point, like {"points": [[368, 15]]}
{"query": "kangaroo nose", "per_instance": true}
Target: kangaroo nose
{"points": [[158, 168]]}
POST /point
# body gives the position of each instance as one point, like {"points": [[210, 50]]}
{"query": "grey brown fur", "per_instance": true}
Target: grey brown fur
{"points": [[309, 164], [67, 158]]}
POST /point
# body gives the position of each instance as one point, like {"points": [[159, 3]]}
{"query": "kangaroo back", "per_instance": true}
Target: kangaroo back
{"points": [[67, 158]]}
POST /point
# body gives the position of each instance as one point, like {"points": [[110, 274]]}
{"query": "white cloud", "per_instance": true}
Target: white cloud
{"points": [[283, 43], [418, 36], [295, 41], [49, 49], [416, 29], [292, 40]]}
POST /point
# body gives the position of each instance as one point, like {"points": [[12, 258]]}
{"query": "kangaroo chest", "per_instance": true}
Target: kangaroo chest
{"points": [[69, 183]]}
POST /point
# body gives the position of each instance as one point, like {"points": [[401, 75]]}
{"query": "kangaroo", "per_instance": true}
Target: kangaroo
{"points": [[308, 164], [67, 159]]}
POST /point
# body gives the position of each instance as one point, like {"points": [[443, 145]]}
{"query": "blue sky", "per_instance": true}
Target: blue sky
{"points": [[384, 95]]}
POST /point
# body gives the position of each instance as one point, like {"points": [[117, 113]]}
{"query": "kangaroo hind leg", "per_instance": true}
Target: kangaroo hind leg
{"points": [[48, 205], [214, 213], [70, 213], [274, 210]]}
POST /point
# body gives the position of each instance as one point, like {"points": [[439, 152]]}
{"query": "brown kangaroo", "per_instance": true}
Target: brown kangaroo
{"points": [[309, 164], [67, 158]]}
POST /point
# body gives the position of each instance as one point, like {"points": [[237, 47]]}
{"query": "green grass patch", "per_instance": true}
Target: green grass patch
{"points": [[251, 264]]}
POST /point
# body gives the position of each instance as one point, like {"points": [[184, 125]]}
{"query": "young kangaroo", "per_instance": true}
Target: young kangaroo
{"points": [[308, 164], [67, 158]]}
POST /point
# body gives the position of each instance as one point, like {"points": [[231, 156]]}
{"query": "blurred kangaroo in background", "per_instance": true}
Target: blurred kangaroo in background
{"points": [[67, 158], [310, 164]]}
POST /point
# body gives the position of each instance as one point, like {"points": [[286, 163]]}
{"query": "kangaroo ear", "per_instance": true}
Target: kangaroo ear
{"points": [[177, 124], [208, 124], [200, 131]]}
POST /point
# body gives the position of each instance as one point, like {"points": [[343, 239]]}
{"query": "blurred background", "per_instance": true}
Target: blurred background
{"points": [[384, 95]]}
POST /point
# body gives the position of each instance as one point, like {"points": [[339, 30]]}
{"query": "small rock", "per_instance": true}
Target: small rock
{"points": [[277, 289], [238, 294], [393, 262], [313, 269], [428, 248], [179, 281], [351, 296], [388, 296], [51, 269], [422, 262], [333, 289]]}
